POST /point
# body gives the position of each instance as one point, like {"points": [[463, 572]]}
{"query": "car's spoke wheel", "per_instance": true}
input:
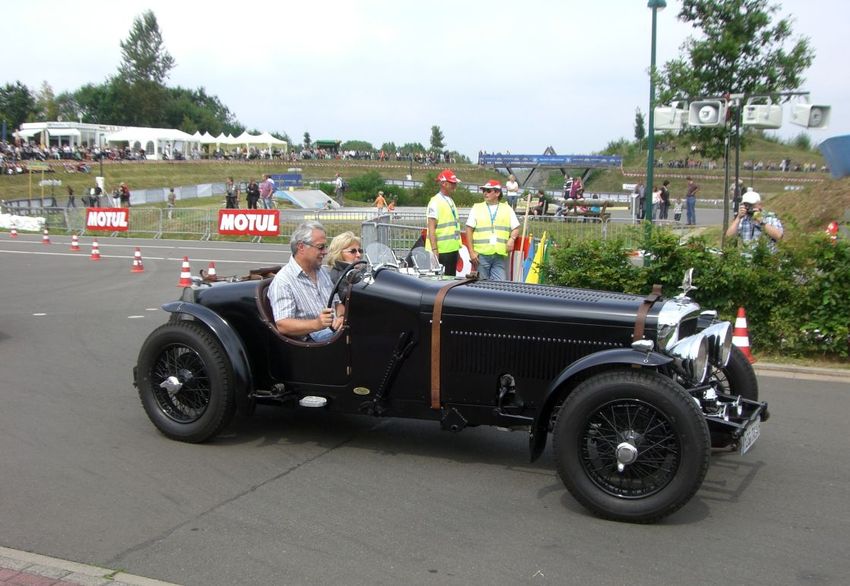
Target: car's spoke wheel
{"points": [[631, 445], [184, 382], [629, 449]]}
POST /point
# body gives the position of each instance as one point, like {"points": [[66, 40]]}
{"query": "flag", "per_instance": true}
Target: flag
{"points": [[526, 267], [533, 274]]}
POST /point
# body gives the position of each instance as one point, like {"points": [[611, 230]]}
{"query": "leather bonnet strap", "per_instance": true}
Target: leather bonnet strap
{"points": [[436, 320], [640, 322]]}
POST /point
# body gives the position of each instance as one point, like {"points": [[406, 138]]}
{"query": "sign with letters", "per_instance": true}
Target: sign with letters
{"points": [[574, 161], [249, 222], [108, 219]]}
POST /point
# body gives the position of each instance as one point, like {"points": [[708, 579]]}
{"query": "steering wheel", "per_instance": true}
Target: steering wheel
{"points": [[348, 268]]}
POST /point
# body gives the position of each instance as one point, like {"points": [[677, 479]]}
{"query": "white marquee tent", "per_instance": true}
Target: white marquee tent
{"points": [[156, 142]]}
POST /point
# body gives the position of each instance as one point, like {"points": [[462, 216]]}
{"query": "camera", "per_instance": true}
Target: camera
{"points": [[749, 208]]}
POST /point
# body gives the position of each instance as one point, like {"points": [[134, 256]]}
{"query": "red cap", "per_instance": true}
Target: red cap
{"points": [[448, 175], [492, 184]]}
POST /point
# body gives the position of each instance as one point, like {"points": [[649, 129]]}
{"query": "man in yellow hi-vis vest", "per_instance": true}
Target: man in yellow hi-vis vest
{"points": [[491, 230], [443, 223]]}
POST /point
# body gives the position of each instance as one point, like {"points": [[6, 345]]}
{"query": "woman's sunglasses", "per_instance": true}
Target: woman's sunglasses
{"points": [[353, 250]]}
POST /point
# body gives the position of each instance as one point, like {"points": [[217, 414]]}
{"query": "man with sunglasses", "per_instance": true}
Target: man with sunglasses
{"points": [[300, 290], [491, 230]]}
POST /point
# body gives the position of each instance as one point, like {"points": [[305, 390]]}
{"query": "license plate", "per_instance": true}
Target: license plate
{"points": [[750, 436]]}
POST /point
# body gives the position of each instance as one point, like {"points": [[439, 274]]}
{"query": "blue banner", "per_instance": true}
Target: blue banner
{"points": [[286, 180], [522, 161]]}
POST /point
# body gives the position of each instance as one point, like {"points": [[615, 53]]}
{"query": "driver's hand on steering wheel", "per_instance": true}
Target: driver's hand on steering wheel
{"points": [[326, 318]]}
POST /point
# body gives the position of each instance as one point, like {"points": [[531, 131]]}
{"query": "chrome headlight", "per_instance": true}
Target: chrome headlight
{"points": [[719, 343], [690, 357], [671, 316]]}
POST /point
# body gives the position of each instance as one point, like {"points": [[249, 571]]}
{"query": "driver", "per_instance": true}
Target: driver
{"points": [[300, 289]]}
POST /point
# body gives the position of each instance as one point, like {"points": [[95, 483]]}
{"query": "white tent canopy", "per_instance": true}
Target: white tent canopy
{"points": [[154, 141]]}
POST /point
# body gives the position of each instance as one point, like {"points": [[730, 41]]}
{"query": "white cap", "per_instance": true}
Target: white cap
{"points": [[751, 197]]}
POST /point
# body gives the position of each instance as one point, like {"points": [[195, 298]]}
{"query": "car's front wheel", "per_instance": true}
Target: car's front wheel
{"points": [[631, 445], [184, 382]]}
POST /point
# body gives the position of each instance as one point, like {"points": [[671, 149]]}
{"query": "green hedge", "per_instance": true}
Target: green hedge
{"points": [[797, 300]]}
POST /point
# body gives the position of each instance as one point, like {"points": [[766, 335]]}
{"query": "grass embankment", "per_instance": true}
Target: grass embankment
{"points": [[820, 201]]}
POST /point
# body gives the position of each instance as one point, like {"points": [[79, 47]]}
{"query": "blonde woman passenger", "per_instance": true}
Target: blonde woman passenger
{"points": [[344, 250]]}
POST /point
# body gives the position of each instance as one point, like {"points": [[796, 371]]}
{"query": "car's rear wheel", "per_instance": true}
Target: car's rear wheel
{"points": [[631, 445], [184, 382]]}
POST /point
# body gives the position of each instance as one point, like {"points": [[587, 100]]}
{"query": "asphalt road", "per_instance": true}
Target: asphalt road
{"points": [[307, 497]]}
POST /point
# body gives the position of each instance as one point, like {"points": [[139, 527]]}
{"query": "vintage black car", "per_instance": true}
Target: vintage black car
{"points": [[635, 391]]}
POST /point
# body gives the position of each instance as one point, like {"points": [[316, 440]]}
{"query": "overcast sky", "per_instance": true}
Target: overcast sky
{"points": [[498, 76]]}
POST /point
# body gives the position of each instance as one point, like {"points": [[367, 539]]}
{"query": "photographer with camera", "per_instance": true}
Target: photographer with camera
{"points": [[752, 222]]}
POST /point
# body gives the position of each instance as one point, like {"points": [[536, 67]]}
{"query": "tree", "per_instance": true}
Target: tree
{"points": [[45, 105], [389, 148], [640, 128], [357, 145], [437, 139], [411, 148], [741, 50], [307, 140], [16, 104], [144, 57]]}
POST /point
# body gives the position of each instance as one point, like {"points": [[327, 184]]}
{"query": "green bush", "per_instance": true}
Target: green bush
{"points": [[796, 299]]}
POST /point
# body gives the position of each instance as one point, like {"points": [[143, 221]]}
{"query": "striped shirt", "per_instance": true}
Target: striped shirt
{"points": [[293, 295]]}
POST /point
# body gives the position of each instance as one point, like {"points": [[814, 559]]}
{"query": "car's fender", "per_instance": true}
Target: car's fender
{"points": [[615, 356], [230, 341]]}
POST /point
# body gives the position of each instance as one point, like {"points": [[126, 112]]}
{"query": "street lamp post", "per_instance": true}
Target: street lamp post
{"points": [[655, 6]]}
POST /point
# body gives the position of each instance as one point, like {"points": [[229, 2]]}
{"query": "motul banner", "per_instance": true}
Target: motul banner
{"points": [[249, 222], [108, 219]]}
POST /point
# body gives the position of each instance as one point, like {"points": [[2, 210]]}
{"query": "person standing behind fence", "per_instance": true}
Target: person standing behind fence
{"points": [[339, 188], [491, 231], [125, 195], [266, 192], [231, 198], [691, 202], [512, 189], [664, 208], [172, 202], [252, 194], [380, 203], [72, 203], [443, 223]]}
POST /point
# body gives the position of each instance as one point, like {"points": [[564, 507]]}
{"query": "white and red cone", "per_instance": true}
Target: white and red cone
{"points": [[138, 267], [46, 238], [211, 276], [95, 251], [741, 336], [75, 242], [13, 233], [185, 274]]}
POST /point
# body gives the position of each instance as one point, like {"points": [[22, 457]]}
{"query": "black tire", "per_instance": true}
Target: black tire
{"points": [[204, 403], [738, 377], [655, 417]]}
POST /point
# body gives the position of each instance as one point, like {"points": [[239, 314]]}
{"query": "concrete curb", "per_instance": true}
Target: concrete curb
{"points": [[67, 572], [802, 372]]}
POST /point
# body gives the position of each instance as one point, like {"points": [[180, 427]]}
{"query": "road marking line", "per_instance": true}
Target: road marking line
{"points": [[146, 258]]}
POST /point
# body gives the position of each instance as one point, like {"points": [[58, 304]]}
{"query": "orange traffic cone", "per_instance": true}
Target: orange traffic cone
{"points": [[138, 267], [95, 251], [211, 276], [13, 233], [46, 238], [75, 242], [740, 335], [185, 274]]}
